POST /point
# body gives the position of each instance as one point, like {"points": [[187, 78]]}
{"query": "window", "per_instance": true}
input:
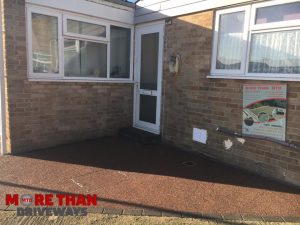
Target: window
{"points": [[230, 41], [120, 39], [278, 13], [45, 44], [68, 47], [263, 45], [89, 29], [85, 49], [85, 58], [275, 52]]}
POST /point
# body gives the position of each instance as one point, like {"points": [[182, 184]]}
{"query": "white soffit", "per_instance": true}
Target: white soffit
{"points": [[104, 11], [150, 10]]}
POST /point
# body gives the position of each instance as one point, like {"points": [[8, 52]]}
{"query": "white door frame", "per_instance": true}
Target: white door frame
{"points": [[157, 27]]}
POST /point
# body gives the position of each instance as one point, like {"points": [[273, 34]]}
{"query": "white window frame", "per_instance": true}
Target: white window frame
{"points": [[107, 63], [131, 50], [67, 17], [253, 28], [47, 12], [274, 25], [63, 34], [88, 38], [215, 71], [270, 75]]}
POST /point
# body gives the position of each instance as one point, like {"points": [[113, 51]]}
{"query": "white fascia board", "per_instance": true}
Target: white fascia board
{"points": [[145, 3], [89, 8], [178, 9], [163, 5]]}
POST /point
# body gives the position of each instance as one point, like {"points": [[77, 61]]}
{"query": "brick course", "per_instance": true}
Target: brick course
{"points": [[192, 100], [44, 114]]}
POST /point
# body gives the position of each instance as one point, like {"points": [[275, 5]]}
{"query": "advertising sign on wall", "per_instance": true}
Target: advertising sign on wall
{"points": [[264, 111]]}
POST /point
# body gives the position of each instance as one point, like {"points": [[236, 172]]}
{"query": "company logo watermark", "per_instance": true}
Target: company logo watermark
{"points": [[27, 200], [51, 205]]}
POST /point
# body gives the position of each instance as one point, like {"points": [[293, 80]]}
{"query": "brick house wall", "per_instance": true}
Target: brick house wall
{"points": [[44, 114], [192, 100]]}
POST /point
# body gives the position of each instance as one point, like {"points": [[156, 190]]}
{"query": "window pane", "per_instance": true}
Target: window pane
{"points": [[90, 29], [85, 59], [119, 52], [275, 52], [45, 44], [230, 42], [148, 108], [149, 61], [278, 13]]}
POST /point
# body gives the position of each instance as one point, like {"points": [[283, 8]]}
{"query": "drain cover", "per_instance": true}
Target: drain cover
{"points": [[189, 163]]}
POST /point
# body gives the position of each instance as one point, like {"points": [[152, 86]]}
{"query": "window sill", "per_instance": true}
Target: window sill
{"points": [[253, 78], [81, 80]]}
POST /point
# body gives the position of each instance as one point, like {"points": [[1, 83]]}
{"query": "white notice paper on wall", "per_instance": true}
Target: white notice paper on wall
{"points": [[200, 135]]}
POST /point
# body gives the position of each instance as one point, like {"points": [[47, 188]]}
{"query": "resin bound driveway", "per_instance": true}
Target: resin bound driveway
{"points": [[125, 175]]}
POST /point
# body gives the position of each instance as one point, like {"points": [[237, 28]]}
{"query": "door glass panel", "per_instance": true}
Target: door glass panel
{"points": [[148, 108], [149, 61]]}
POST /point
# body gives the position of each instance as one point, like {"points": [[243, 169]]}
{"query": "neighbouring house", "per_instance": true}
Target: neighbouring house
{"points": [[73, 70]]}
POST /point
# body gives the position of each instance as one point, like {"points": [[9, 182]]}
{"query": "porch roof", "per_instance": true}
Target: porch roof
{"points": [[119, 2]]}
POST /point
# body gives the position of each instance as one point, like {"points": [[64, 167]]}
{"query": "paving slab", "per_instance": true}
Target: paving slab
{"points": [[147, 212], [112, 211], [133, 212]]}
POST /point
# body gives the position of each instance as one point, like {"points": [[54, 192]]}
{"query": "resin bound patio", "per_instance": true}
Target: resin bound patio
{"points": [[128, 175]]}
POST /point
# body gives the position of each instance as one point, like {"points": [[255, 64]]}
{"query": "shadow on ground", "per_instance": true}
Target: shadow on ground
{"points": [[123, 155]]}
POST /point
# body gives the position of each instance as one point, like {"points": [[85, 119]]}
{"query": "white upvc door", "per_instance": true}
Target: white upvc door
{"points": [[148, 77]]}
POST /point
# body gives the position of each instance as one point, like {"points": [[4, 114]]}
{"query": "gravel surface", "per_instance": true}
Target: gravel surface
{"points": [[9, 218]]}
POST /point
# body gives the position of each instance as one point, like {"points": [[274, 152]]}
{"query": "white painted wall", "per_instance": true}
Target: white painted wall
{"points": [[108, 11], [150, 10]]}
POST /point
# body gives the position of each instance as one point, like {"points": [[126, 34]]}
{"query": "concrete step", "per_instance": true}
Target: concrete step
{"points": [[138, 135]]}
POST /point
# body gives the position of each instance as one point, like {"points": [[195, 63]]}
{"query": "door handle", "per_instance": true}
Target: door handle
{"points": [[146, 92]]}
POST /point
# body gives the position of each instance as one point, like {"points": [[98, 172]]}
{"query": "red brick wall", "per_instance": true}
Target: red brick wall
{"points": [[192, 100], [43, 114]]}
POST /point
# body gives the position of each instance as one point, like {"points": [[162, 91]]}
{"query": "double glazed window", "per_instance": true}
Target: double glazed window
{"points": [[85, 58], [119, 52], [85, 48], [262, 40], [63, 46], [45, 50]]}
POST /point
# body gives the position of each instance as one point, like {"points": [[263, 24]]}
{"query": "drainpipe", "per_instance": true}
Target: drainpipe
{"points": [[2, 86]]}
